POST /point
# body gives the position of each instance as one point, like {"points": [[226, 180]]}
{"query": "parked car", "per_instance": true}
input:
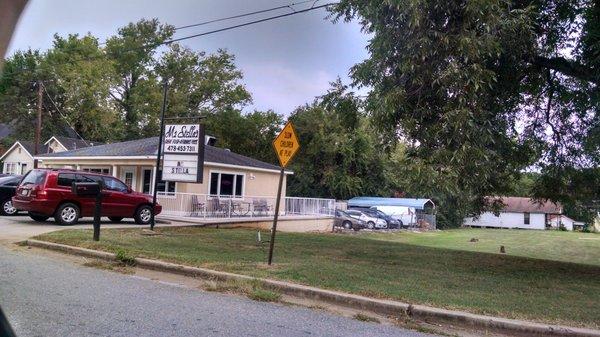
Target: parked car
{"points": [[342, 219], [8, 186], [371, 221], [391, 221], [46, 193]]}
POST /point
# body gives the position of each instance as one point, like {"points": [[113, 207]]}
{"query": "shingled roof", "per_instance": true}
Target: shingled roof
{"points": [[527, 205], [149, 147], [30, 147], [73, 143]]}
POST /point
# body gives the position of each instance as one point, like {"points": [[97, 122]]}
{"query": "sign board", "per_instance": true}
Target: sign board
{"points": [[183, 148], [286, 144]]}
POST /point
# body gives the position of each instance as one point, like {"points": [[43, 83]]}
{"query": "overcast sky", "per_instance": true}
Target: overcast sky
{"points": [[286, 62]]}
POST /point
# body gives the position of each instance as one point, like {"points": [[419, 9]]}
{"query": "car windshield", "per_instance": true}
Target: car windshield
{"points": [[34, 177]]}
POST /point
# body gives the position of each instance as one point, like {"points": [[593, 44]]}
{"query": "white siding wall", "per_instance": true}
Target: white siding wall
{"points": [[19, 158], [508, 220], [566, 221]]}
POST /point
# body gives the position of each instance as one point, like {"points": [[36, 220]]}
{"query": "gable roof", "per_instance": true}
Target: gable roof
{"points": [[149, 147], [29, 147], [527, 205], [70, 143], [404, 202]]}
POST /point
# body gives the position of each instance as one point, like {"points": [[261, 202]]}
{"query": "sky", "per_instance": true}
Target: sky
{"points": [[286, 62]]}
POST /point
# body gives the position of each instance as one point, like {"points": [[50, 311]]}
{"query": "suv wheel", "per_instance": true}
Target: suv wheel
{"points": [[7, 208], [115, 218], [143, 215], [67, 214], [347, 224], [38, 217]]}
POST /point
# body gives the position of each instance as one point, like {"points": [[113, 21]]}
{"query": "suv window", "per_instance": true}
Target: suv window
{"points": [[114, 184], [66, 179], [34, 177]]}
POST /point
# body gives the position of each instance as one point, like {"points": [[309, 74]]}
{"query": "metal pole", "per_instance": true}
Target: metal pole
{"points": [[97, 212], [159, 152], [272, 242]]}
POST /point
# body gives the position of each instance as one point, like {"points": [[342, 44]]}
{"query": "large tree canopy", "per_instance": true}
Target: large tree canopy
{"points": [[114, 92], [483, 89]]}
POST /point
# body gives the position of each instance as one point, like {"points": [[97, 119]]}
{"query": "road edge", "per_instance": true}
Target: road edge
{"points": [[378, 306]]}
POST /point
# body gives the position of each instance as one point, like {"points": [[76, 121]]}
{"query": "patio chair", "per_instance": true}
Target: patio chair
{"points": [[197, 206], [261, 206], [216, 207]]}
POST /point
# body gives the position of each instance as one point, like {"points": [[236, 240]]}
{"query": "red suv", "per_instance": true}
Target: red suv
{"points": [[47, 192]]}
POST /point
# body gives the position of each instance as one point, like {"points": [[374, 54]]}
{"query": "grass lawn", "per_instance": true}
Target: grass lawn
{"points": [[494, 284], [548, 245]]}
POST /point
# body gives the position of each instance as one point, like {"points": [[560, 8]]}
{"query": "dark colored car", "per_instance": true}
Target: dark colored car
{"points": [[8, 186], [342, 219], [392, 222], [46, 193]]}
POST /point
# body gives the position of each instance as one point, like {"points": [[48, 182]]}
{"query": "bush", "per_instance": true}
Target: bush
{"points": [[562, 228], [123, 257]]}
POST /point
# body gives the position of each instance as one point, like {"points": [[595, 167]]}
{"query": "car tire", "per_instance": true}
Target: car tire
{"points": [[347, 224], [7, 208], [115, 218], [143, 215], [370, 225], [38, 217], [67, 214]]}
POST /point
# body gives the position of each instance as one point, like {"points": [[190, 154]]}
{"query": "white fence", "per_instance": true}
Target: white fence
{"points": [[207, 206]]}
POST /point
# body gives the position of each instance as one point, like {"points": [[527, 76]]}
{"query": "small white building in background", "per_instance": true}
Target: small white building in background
{"points": [[522, 213]]}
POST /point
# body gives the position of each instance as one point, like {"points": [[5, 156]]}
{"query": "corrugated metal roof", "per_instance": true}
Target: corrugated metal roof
{"points": [[377, 201], [149, 147]]}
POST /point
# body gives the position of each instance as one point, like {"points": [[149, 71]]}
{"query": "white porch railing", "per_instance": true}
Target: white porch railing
{"points": [[207, 206]]}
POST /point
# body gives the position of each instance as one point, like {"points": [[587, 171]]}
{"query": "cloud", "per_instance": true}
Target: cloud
{"points": [[282, 88]]}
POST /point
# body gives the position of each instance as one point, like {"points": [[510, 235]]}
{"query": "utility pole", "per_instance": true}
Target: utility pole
{"points": [[159, 151], [38, 127]]}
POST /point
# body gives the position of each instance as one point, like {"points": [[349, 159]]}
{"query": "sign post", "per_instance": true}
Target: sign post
{"points": [[286, 145]]}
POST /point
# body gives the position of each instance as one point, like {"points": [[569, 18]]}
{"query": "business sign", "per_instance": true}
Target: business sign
{"points": [[286, 144], [183, 148]]}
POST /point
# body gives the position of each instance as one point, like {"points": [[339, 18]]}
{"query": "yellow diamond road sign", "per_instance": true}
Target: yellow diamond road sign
{"points": [[286, 144]]}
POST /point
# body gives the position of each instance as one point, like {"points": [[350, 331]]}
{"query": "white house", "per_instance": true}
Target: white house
{"points": [[18, 159], [519, 212]]}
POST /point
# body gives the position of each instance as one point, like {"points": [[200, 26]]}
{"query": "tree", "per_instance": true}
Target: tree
{"points": [[481, 90], [339, 155], [80, 81], [137, 92]]}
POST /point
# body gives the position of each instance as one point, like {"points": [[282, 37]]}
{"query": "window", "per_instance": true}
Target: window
{"points": [[129, 178], [114, 184], [165, 187], [23, 168], [34, 177], [103, 170], [10, 168], [526, 218], [66, 179], [226, 184]]}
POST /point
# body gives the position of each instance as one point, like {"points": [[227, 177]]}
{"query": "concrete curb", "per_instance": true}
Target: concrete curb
{"points": [[383, 307]]}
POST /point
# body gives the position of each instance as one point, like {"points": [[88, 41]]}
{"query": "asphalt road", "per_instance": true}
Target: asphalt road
{"points": [[48, 296]]}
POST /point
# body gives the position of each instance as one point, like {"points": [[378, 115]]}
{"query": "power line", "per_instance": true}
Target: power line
{"points": [[59, 111], [245, 24], [290, 6]]}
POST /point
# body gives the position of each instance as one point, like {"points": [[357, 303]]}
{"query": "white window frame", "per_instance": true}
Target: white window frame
{"points": [[165, 193], [151, 169], [132, 170], [218, 195], [96, 167]]}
